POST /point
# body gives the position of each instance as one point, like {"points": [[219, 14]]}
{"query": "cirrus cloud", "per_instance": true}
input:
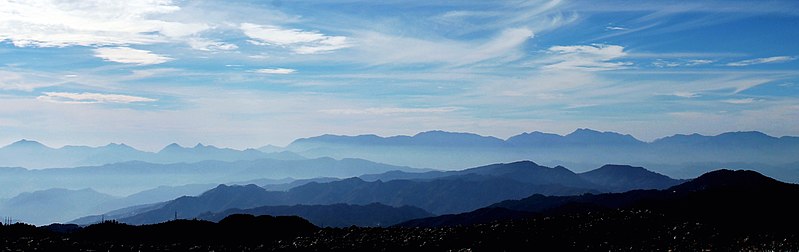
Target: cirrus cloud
{"points": [[53, 23], [129, 55], [387, 111], [275, 71], [78, 98], [301, 42], [595, 57], [776, 59]]}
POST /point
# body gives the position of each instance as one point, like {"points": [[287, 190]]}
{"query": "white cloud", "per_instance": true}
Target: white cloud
{"points": [[686, 94], [129, 55], [15, 81], [379, 48], [695, 62], [616, 28], [776, 59], [387, 111], [210, 45], [65, 97], [740, 101], [663, 63], [596, 57], [275, 71], [54, 23], [301, 42]]}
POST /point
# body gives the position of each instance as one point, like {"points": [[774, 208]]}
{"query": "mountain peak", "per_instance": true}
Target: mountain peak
{"points": [[118, 146], [172, 147], [725, 178], [589, 136], [24, 143]]}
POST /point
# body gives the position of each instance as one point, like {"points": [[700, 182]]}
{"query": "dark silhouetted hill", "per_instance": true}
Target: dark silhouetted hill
{"points": [[232, 230], [335, 215], [723, 197], [622, 178]]}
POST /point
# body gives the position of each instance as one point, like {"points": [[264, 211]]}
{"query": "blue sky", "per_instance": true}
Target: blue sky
{"points": [[250, 73]]}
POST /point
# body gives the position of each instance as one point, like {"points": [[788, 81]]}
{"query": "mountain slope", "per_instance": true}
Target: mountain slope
{"points": [[54, 205], [622, 178]]}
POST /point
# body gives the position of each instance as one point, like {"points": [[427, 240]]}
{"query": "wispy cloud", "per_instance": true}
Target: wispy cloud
{"points": [[596, 57], [301, 42], [129, 55], [740, 101], [378, 48], [66, 97], [19, 82], [210, 45], [686, 94], [387, 111], [695, 62], [52, 23], [275, 71], [616, 28], [776, 59]]}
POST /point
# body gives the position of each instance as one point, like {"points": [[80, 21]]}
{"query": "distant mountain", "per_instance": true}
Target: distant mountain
{"points": [[622, 178], [335, 215], [608, 178], [135, 176], [724, 197], [216, 200], [438, 196], [581, 149], [159, 194], [53, 205], [296, 183], [448, 192], [26, 153], [429, 138]]}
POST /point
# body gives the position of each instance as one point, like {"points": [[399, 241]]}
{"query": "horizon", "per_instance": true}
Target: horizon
{"points": [[248, 73], [192, 145]]}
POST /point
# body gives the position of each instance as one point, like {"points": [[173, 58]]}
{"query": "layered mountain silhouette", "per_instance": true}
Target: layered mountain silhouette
{"points": [[722, 197], [27, 154], [135, 176], [582, 149], [52, 205], [447, 192]]}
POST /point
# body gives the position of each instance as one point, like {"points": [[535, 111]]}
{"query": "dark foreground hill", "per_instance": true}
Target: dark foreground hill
{"points": [[336, 215], [719, 211], [237, 232], [724, 197]]}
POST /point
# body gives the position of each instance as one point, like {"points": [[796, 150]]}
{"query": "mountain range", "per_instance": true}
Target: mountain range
{"points": [[27, 154], [135, 176], [446, 192], [680, 156], [581, 150]]}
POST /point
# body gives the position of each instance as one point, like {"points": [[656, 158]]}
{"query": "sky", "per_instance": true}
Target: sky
{"points": [[250, 73]]}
